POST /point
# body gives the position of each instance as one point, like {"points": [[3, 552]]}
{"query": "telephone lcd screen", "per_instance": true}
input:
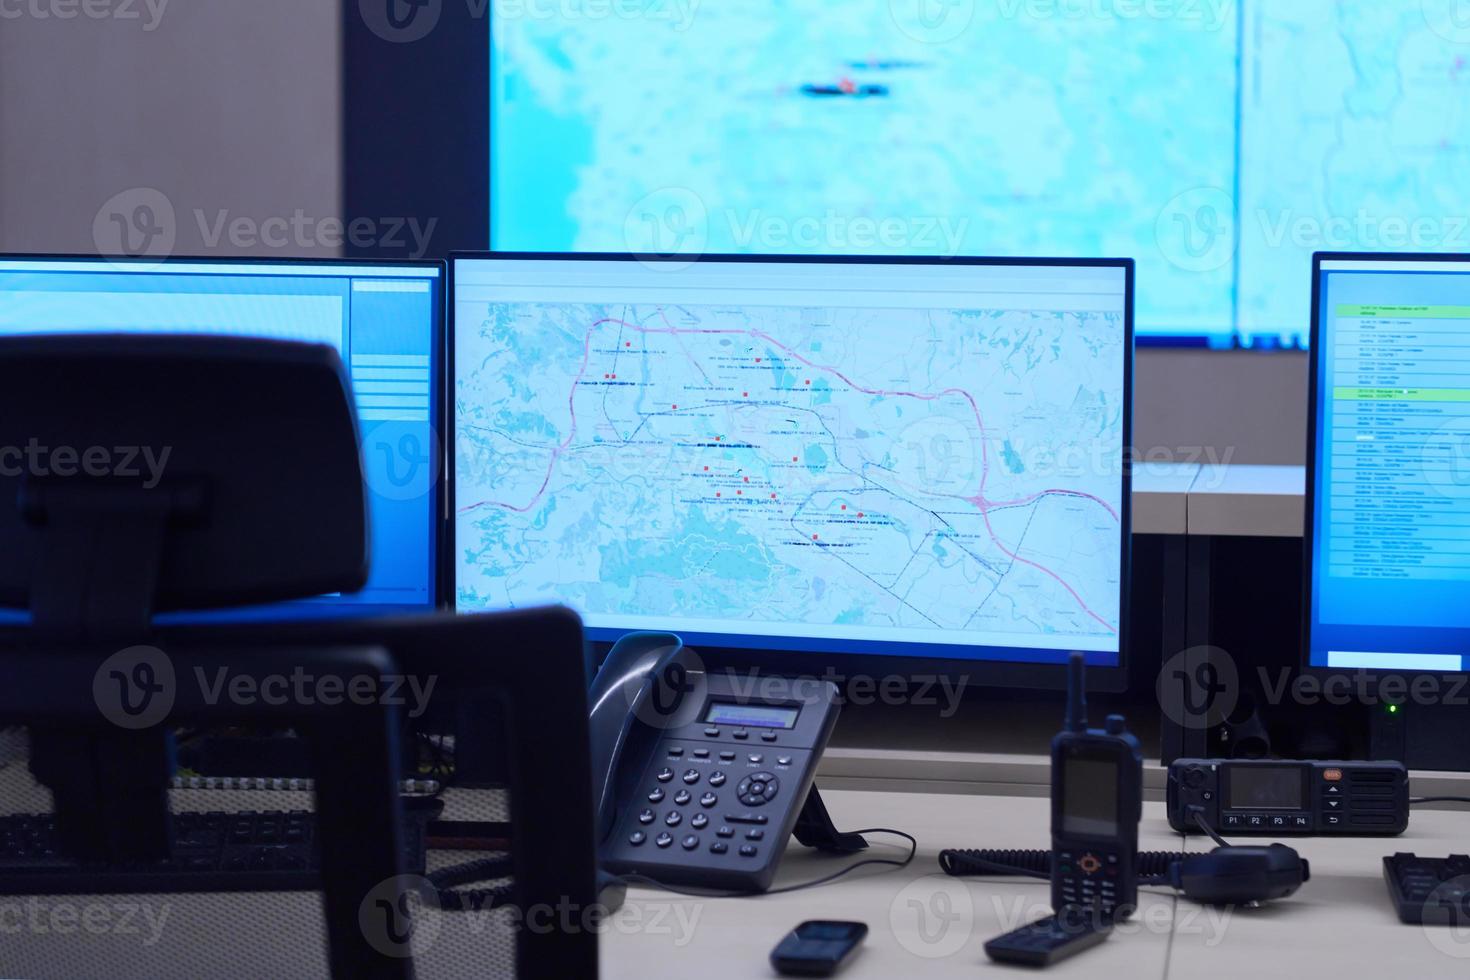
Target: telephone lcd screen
{"points": [[752, 715]]}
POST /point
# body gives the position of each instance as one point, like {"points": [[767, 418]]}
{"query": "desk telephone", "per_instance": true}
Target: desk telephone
{"points": [[701, 778]]}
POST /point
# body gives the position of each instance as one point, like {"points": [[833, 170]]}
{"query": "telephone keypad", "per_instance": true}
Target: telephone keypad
{"points": [[664, 775], [647, 816], [682, 797], [691, 776], [664, 839], [708, 800], [637, 837], [657, 796], [673, 818], [699, 821], [717, 779], [690, 842]]}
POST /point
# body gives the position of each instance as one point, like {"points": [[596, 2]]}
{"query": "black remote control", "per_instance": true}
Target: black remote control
{"points": [[1050, 940]]}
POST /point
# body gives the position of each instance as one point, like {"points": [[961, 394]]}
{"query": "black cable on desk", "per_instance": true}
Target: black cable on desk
{"points": [[1418, 800], [634, 879], [1153, 866]]}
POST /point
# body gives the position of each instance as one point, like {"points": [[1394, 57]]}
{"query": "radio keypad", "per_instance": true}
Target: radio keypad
{"points": [[1088, 879]]}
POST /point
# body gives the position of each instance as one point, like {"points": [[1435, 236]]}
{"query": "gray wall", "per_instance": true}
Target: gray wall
{"points": [[224, 106], [232, 108], [1222, 406]]}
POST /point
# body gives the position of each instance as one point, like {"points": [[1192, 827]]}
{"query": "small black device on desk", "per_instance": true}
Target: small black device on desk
{"points": [[1049, 940], [1248, 796], [817, 948], [1096, 805], [1429, 891]]}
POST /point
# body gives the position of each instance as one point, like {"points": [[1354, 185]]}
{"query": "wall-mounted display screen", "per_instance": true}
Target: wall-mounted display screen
{"points": [[1218, 142]]}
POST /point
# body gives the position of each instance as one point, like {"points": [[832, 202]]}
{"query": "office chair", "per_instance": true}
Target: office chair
{"points": [[253, 507]]}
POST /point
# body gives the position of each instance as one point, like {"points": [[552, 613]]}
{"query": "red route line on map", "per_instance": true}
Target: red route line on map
{"points": [[979, 501]]}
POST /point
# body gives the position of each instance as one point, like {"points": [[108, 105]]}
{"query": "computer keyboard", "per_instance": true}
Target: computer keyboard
{"points": [[1433, 891], [272, 850]]}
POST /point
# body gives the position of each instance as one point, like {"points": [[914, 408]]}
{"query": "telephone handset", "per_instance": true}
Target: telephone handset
{"points": [[700, 778]]}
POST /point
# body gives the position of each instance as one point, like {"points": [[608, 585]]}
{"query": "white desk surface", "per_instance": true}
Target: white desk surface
{"points": [[924, 924]]}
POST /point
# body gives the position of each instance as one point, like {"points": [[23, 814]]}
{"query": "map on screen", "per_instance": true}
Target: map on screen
{"points": [[1220, 143], [932, 474]]}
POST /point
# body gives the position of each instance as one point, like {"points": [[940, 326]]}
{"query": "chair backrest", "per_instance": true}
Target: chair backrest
{"points": [[523, 676], [150, 473], [147, 473]]}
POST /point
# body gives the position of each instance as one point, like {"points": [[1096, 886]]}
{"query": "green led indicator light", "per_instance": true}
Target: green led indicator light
{"points": [[1393, 709]]}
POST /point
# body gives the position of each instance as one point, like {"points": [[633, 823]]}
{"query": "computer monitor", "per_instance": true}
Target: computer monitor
{"points": [[815, 462], [1388, 482], [385, 320]]}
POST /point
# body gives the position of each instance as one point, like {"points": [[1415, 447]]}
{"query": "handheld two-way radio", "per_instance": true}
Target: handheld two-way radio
{"points": [[1096, 804]]}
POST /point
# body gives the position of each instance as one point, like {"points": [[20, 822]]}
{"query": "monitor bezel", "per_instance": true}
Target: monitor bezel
{"points": [[988, 673], [439, 516], [1338, 676]]}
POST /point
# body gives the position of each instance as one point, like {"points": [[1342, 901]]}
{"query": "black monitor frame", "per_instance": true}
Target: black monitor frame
{"points": [[1340, 676], [1007, 674], [440, 513]]}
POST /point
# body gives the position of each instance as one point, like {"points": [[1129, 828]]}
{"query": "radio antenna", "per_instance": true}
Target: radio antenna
{"points": [[1076, 693]]}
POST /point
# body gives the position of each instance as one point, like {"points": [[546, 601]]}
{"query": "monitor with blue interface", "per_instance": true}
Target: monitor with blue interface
{"points": [[1220, 142], [917, 459], [385, 321], [1388, 556]]}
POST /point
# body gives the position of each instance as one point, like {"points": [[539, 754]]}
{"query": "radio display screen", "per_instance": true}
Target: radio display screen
{"points": [[1264, 788]]}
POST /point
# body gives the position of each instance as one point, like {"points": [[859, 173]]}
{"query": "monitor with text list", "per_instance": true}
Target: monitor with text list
{"points": [[1388, 542]]}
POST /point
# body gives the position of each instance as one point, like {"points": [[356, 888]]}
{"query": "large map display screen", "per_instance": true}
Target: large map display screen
{"points": [[860, 457], [1219, 142]]}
